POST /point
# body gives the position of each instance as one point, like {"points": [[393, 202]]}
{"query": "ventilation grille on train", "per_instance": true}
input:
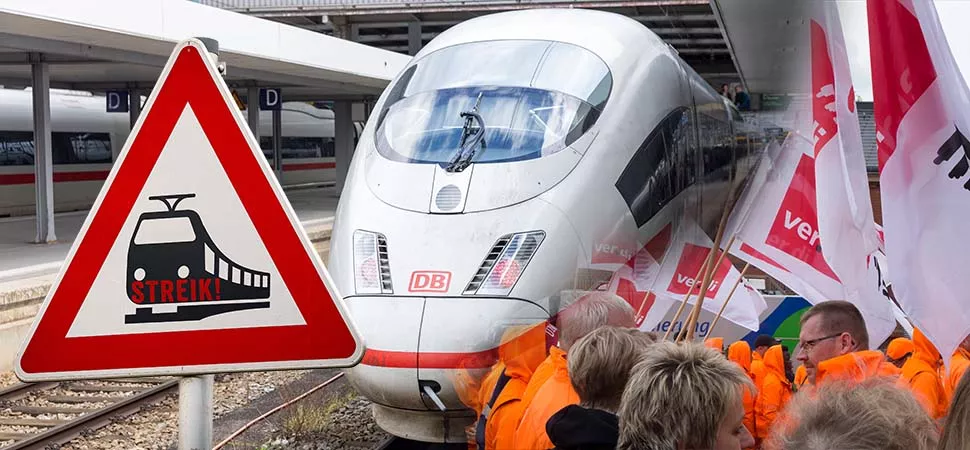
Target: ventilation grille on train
{"points": [[385, 264], [504, 263]]}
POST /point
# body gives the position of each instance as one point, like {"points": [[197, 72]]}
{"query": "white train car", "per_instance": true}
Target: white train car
{"points": [[494, 165], [85, 140]]}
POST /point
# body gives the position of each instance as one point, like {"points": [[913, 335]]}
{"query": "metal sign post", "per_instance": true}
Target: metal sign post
{"points": [[196, 392]]}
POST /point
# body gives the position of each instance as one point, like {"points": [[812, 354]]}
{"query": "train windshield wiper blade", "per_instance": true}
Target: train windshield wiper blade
{"points": [[470, 139]]}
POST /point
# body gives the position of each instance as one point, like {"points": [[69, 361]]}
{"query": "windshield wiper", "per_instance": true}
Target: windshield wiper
{"points": [[470, 140]]}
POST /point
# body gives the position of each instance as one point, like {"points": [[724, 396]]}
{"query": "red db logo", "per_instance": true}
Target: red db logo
{"points": [[429, 281]]}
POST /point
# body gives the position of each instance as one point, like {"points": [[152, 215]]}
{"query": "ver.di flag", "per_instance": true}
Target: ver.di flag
{"points": [[922, 104], [775, 225], [688, 250], [845, 223]]}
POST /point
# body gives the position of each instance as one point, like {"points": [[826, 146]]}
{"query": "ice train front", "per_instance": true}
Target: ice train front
{"points": [[483, 184]]}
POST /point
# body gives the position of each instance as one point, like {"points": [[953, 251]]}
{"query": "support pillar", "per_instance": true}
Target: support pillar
{"points": [[414, 38], [195, 412], [278, 143], [252, 110], [343, 129], [134, 106], [43, 155]]}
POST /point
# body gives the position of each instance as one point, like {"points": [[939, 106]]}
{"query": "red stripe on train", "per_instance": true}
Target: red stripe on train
{"points": [[59, 177], [309, 166], [430, 360]]}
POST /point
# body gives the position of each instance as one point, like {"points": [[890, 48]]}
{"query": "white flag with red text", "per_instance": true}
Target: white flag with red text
{"points": [[922, 114], [776, 225], [632, 281], [683, 260], [845, 224]]}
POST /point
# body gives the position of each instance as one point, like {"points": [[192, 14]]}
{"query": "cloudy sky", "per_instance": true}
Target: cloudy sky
{"points": [[954, 15]]}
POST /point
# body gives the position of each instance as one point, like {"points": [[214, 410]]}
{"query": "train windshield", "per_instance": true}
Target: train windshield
{"points": [[164, 231], [536, 98]]}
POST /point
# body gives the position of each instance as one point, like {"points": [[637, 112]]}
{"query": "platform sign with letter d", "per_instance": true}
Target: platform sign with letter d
{"points": [[192, 261], [116, 101]]}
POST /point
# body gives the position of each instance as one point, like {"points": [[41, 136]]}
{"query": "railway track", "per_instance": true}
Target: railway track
{"points": [[35, 415]]}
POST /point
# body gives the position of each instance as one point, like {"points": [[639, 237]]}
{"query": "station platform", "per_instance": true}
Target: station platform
{"points": [[28, 270]]}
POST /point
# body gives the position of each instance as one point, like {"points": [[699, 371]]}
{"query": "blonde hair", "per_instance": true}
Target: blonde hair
{"points": [[956, 431], [872, 415], [677, 397], [591, 311], [599, 365]]}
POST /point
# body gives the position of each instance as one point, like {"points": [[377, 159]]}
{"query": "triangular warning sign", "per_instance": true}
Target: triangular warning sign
{"points": [[191, 259]]}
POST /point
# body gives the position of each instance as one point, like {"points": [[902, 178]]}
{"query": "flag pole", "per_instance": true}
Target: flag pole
{"points": [[642, 304], [683, 303], [695, 312], [708, 278], [730, 294]]}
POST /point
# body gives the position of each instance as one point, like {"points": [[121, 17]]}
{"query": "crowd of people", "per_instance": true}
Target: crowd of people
{"points": [[603, 384]]}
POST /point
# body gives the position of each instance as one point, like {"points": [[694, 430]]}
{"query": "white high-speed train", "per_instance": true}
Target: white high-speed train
{"points": [[495, 168], [86, 140]]}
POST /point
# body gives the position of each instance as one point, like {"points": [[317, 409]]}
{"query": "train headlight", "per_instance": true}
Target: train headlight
{"points": [[372, 272], [505, 263]]}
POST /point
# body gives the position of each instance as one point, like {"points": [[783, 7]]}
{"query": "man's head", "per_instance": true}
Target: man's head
{"points": [[830, 329], [763, 342], [600, 363], [591, 311], [739, 88], [684, 396], [873, 415]]}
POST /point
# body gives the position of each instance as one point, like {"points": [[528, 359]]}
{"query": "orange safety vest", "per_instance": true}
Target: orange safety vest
{"points": [[855, 366], [958, 366], [740, 353], [774, 394], [555, 394], [920, 374]]}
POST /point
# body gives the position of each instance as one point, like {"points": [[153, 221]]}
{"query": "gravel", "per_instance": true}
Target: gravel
{"points": [[156, 426], [8, 379]]}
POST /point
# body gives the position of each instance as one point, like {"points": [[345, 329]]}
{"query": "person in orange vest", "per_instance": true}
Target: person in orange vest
{"points": [[774, 393], [591, 311], [958, 366], [834, 345], [599, 368], [717, 343], [898, 351], [740, 354], [522, 350], [761, 345], [921, 375]]}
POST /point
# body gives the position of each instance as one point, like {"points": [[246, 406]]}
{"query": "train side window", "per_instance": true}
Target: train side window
{"points": [[80, 148], [16, 148], [166, 230]]}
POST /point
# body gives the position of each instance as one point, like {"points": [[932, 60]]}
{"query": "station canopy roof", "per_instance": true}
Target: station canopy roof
{"points": [[121, 44]]}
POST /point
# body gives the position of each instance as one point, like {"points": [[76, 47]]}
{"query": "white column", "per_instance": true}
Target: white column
{"points": [[343, 128], [195, 412], [414, 38], [43, 157]]}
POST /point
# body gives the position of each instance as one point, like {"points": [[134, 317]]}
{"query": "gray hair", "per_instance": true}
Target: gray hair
{"points": [[677, 397], [600, 363], [956, 431], [591, 311], [875, 414]]}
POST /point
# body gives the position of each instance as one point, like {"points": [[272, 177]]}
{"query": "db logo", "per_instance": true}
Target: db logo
{"points": [[429, 281]]}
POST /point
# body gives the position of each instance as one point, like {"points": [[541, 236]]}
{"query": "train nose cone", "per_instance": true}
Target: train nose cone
{"points": [[444, 344]]}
